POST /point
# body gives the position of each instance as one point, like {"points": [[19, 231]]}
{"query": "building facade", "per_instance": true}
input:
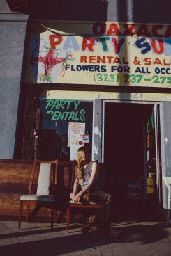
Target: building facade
{"points": [[89, 73]]}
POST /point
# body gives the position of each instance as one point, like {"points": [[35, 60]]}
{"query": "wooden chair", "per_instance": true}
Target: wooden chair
{"points": [[64, 186], [46, 174], [84, 209]]}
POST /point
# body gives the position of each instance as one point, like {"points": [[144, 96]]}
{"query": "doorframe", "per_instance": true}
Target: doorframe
{"points": [[144, 165], [119, 102]]}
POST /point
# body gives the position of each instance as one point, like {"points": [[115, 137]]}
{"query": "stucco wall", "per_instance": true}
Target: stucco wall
{"points": [[12, 35], [4, 7]]}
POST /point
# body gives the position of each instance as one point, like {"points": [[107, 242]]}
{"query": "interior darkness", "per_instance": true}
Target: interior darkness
{"points": [[124, 150]]}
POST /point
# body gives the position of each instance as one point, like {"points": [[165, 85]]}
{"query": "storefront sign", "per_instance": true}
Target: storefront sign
{"points": [[75, 134], [109, 54], [65, 110]]}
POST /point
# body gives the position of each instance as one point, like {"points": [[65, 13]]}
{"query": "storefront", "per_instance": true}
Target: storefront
{"points": [[105, 85]]}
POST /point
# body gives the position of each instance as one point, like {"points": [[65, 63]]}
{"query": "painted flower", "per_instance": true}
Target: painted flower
{"points": [[50, 60]]}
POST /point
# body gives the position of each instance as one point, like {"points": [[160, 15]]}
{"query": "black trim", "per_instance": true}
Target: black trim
{"points": [[40, 87]]}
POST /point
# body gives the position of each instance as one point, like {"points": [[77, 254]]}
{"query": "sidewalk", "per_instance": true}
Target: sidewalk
{"points": [[127, 238]]}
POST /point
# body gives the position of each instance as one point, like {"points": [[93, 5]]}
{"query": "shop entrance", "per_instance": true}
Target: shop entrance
{"points": [[125, 158]]}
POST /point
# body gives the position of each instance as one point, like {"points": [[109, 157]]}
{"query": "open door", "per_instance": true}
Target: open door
{"points": [[124, 157], [158, 152], [165, 122], [153, 153], [153, 166]]}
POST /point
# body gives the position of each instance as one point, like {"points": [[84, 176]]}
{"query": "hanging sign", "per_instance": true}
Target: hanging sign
{"points": [[75, 133], [110, 53]]}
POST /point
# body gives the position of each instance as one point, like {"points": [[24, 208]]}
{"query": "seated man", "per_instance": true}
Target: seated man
{"points": [[86, 178]]}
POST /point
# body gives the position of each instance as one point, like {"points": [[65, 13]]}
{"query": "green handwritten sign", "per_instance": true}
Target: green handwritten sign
{"points": [[57, 113], [65, 110]]}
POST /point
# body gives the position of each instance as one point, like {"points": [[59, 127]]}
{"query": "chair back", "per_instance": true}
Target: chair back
{"points": [[43, 174], [65, 176]]}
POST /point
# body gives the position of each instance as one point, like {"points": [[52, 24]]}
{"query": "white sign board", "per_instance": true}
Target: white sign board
{"points": [[75, 137]]}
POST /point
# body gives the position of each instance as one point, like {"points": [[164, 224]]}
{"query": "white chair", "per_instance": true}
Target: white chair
{"points": [[45, 172]]}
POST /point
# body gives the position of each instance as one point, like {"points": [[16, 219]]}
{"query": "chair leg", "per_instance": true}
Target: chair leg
{"points": [[68, 217], [167, 217], [61, 215], [27, 212], [52, 217], [20, 214]]}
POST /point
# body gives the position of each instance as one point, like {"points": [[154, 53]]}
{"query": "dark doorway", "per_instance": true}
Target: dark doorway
{"points": [[124, 155]]}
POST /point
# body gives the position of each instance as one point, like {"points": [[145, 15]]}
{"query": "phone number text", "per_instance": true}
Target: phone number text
{"points": [[131, 78]]}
